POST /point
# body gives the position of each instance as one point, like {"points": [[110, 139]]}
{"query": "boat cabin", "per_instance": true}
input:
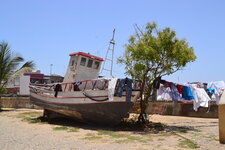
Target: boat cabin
{"points": [[82, 66]]}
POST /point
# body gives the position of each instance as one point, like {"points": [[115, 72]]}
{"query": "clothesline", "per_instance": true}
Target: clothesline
{"points": [[199, 93]]}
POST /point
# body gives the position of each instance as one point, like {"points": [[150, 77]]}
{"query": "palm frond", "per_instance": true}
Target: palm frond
{"points": [[9, 64], [29, 64]]}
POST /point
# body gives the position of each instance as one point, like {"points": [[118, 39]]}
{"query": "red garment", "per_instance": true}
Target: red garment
{"points": [[179, 88]]}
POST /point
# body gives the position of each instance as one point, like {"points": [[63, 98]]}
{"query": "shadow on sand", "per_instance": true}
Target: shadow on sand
{"points": [[125, 125]]}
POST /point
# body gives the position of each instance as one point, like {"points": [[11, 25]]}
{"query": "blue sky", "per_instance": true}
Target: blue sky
{"points": [[46, 31]]}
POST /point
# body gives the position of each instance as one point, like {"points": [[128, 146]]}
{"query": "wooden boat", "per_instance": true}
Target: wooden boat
{"points": [[86, 101], [83, 96]]}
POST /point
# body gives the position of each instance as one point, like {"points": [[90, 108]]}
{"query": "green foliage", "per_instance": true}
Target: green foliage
{"points": [[155, 53], [9, 64]]}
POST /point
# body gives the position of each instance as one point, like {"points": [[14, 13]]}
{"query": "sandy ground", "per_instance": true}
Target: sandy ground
{"points": [[17, 133]]}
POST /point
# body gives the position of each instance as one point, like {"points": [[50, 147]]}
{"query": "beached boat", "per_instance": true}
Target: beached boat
{"points": [[85, 97]]}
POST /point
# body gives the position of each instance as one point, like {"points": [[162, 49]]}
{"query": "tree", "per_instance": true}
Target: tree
{"points": [[9, 65], [152, 53]]}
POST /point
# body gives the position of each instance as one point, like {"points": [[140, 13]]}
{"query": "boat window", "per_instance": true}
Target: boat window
{"points": [[72, 63], [90, 62], [96, 65], [83, 61]]}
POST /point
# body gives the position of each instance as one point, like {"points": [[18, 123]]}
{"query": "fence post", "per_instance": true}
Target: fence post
{"points": [[221, 114]]}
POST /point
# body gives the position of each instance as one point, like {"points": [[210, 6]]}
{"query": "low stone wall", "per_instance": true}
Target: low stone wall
{"points": [[17, 102], [162, 108], [182, 109]]}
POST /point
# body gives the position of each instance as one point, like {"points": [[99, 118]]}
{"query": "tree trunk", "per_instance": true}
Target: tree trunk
{"points": [[142, 116], [154, 94]]}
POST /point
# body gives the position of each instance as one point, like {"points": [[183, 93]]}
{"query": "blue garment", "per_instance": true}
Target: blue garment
{"points": [[121, 84], [210, 92], [187, 93], [125, 84]]}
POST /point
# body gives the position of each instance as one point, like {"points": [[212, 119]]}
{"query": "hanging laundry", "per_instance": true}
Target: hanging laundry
{"points": [[201, 98], [210, 92], [125, 84], [57, 88], [111, 88], [77, 83], [167, 84], [164, 93], [179, 88], [76, 86], [218, 86], [200, 85], [174, 93], [187, 93]]}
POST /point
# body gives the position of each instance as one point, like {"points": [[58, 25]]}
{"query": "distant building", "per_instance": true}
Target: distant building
{"points": [[21, 84], [36, 77], [53, 78], [40, 78]]}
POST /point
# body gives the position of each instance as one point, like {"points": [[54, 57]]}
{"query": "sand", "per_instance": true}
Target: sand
{"points": [[17, 134]]}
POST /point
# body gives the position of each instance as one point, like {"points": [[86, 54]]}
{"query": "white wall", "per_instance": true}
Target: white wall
{"points": [[24, 85], [14, 83]]}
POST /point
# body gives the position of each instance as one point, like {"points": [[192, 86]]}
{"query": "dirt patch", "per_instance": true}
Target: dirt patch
{"points": [[27, 129]]}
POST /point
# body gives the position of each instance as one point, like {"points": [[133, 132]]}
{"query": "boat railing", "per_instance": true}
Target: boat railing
{"points": [[98, 84], [74, 86], [85, 85]]}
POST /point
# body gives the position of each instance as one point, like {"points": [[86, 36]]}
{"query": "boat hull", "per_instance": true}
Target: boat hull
{"points": [[86, 110]]}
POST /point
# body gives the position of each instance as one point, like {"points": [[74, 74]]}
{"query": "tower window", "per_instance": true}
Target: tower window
{"points": [[96, 65], [90, 62], [83, 61]]}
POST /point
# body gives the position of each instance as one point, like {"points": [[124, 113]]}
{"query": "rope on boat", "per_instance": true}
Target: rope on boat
{"points": [[94, 98]]}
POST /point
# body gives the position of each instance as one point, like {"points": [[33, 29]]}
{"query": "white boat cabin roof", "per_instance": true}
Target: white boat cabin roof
{"points": [[87, 55]]}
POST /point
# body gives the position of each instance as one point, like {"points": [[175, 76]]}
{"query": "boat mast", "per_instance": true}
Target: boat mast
{"points": [[108, 57]]}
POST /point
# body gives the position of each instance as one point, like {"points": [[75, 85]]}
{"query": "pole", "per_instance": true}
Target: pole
{"points": [[51, 68]]}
